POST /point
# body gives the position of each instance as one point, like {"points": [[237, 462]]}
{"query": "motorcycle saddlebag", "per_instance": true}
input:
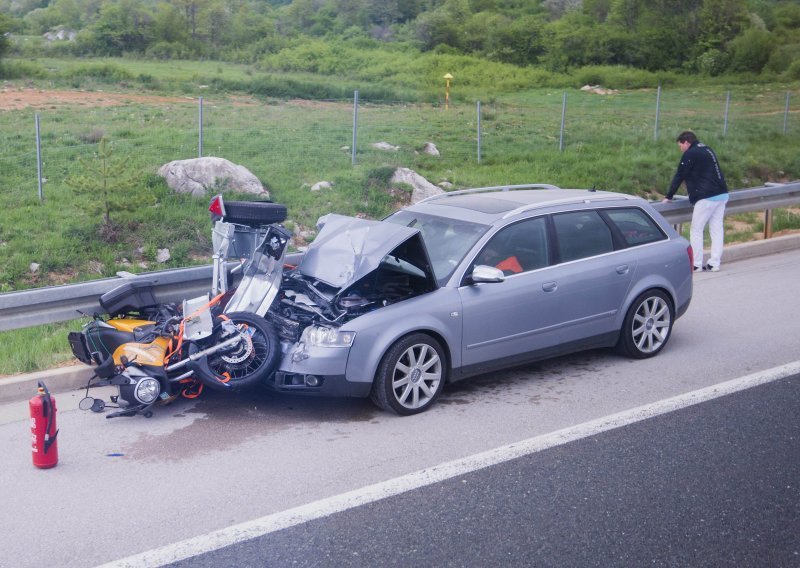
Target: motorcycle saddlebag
{"points": [[130, 297], [79, 349]]}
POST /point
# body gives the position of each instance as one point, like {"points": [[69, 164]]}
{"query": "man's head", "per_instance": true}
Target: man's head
{"points": [[685, 140]]}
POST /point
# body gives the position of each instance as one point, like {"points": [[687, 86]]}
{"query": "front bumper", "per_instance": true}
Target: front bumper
{"points": [[315, 371]]}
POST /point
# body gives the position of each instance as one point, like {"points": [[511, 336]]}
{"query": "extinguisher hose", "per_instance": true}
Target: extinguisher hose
{"points": [[47, 408]]}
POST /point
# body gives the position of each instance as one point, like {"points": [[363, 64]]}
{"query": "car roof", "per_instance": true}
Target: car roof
{"points": [[488, 204]]}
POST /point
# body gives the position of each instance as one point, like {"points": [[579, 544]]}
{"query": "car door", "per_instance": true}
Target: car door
{"points": [[591, 277], [503, 320]]}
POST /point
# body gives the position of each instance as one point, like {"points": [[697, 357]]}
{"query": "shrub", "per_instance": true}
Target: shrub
{"points": [[713, 62], [752, 50]]}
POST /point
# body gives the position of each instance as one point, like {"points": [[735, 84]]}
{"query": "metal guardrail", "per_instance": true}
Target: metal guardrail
{"points": [[766, 198], [62, 303]]}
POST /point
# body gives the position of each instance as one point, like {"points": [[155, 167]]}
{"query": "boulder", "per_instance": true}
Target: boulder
{"points": [[199, 176], [322, 185], [421, 188], [430, 149], [385, 146], [598, 90]]}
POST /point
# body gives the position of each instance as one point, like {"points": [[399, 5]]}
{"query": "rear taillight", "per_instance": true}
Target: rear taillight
{"points": [[691, 257], [217, 208]]}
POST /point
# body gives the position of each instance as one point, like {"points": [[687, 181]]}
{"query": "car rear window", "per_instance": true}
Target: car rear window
{"points": [[581, 234], [636, 226]]}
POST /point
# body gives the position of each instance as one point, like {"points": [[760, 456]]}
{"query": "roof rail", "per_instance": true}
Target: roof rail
{"points": [[488, 189], [601, 197]]}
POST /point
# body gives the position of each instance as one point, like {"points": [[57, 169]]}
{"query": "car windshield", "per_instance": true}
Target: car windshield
{"points": [[447, 240]]}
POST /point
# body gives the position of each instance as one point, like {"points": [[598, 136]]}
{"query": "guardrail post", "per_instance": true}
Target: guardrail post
{"points": [[768, 217]]}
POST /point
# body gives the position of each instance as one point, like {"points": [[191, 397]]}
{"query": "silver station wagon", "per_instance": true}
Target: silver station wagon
{"points": [[472, 281]]}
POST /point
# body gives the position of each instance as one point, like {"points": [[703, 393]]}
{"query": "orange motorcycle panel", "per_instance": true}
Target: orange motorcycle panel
{"points": [[143, 353], [129, 325]]}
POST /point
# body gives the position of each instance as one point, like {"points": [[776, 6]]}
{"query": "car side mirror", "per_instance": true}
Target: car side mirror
{"points": [[483, 273]]}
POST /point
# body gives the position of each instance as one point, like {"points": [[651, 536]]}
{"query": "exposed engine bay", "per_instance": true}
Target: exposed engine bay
{"points": [[352, 268]]}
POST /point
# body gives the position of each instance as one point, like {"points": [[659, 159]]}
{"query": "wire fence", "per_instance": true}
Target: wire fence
{"points": [[293, 143]]}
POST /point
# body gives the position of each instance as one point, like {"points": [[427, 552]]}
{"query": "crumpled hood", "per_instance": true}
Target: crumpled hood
{"points": [[347, 248]]}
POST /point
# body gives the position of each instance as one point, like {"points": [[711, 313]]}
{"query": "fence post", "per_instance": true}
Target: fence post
{"points": [[479, 132], [727, 106], [563, 115], [355, 127], [39, 158], [658, 111], [200, 128], [786, 112]]}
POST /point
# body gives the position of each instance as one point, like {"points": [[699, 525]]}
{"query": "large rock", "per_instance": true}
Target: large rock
{"points": [[422, 188], [201, 175]]}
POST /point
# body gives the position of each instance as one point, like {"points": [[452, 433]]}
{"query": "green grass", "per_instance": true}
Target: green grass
{"points": [[36, 348], [609, 143]]}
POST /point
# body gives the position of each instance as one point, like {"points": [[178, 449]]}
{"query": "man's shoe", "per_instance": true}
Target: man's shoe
{"points": [[698, 268], [709, 268]]}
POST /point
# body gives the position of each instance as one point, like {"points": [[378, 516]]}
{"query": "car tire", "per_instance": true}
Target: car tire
{"points": [[647, 326], [410, 376], [254, 213]]}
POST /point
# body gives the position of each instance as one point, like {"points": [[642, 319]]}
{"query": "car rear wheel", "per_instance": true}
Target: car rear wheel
{"points": [[411, 375], [648, 325]]}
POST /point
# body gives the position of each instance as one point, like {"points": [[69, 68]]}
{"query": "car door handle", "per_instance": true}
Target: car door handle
{"points": [[549, 286], [622, 269]]}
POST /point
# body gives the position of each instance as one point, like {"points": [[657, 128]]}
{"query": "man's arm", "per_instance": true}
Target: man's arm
{"points": [[680, 175]]}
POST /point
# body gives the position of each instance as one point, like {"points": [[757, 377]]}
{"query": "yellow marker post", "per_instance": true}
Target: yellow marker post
{"points": [[447, 77]]}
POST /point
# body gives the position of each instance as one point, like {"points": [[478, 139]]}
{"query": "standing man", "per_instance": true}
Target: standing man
{"points": [[707, 191]]}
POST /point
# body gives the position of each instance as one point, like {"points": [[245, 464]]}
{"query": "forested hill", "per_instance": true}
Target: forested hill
{"points": [[694, 36]]}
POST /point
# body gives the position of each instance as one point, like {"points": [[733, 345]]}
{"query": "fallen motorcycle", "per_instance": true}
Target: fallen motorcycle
{"points": [[155, 352]]}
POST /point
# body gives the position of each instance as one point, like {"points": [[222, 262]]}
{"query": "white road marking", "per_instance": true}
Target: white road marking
{"points": [[338, 503]]}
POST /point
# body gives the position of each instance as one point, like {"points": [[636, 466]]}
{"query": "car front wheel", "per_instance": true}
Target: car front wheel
{"points": [[411, 375], [648, 325]]}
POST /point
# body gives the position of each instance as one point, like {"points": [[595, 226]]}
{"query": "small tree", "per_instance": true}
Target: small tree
{"points": [[110, 185]]}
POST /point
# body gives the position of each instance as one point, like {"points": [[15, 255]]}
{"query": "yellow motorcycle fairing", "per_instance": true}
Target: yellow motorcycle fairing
{"points": [[143, 353], [129, 325]]}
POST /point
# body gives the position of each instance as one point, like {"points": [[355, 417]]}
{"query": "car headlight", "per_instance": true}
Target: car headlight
{"points": [[147, 390], [319, 336]]}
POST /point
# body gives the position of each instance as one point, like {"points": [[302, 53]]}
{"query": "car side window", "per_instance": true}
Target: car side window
{"points": [[517, 248], [636, 226], [581, 234]]}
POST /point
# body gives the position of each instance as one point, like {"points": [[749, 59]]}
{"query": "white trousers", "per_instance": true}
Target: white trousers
{"points": [[711, 213]]}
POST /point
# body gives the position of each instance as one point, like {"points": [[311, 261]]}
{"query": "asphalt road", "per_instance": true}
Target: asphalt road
{"points": [[127, 486], [715, 484]]}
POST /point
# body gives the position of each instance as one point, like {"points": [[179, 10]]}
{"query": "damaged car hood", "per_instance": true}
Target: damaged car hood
{"points": [[347, 249]]}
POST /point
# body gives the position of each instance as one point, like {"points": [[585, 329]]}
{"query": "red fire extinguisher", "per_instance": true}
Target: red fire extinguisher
{"points": [[43, 428]]}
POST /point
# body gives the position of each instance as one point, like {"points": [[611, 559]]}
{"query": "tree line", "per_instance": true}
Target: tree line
{"points": [[711, 37]]}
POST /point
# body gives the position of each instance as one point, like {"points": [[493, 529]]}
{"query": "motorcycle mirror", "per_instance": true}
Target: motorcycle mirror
{"points": [[98, 405], [86, 403]]}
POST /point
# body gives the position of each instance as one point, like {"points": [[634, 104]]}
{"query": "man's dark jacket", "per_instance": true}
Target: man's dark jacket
{"points": [[700, 170]]}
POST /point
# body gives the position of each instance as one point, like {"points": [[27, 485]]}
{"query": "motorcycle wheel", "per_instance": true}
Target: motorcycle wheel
{"points": [[252, 361], [254, 213]]}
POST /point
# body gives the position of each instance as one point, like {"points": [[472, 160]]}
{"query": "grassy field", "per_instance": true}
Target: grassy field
{"points": [[609, 142]]}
